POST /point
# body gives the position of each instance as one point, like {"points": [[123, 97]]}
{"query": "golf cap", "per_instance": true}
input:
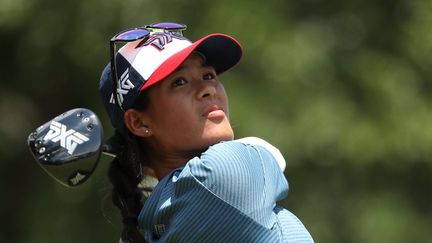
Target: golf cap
{"points": [[145, 62]]}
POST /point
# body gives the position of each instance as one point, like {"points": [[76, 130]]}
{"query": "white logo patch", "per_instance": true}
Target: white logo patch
{"points": [[124, 85], [69, 139], [77, 178]]}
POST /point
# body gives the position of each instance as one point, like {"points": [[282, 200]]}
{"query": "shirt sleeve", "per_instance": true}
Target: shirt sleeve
{"points": [[245, 175], [270, 148]]}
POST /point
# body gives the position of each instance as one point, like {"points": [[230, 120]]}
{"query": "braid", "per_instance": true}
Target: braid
{"points": [[125, 172]]}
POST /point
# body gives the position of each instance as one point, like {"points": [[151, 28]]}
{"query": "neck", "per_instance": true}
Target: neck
{"points": [[164, 163]]}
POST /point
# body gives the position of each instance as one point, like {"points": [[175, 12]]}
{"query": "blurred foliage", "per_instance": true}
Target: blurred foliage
{"points": [[342, 88]]}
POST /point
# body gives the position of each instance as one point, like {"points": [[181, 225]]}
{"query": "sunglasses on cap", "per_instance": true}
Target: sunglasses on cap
{"points": [[134, 34]]}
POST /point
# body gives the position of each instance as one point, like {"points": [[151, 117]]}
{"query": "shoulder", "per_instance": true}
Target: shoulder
{"points": [[231, 157], [244, 173], [247, 160], [221, 161], [275, 153], [245, 150], [231, 151]]}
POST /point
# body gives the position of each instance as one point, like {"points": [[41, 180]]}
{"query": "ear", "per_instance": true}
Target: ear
{"points": [[137, 122]]}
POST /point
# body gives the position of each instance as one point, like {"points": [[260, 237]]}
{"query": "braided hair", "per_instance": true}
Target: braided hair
{"points": [[125, 173]]}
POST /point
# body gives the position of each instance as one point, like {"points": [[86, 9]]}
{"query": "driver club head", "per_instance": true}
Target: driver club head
{"points": [[69, 146]]}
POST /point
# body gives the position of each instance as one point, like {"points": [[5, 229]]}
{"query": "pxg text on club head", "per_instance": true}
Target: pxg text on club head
{"points": [[69, 146]]}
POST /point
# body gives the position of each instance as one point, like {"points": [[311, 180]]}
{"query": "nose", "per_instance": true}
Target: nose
{"points": [[207, 89]]}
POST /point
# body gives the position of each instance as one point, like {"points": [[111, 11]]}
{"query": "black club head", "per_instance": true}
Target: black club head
{"points": [[68, 147]]}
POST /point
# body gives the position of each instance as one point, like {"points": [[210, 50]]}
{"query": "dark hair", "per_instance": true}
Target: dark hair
{"points": [[125, 173]]}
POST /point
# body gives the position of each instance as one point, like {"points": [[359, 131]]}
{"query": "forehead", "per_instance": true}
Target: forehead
{"points": [[194, 59]]}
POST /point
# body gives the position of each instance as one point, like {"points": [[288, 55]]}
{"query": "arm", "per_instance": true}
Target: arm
{"points": [[246, 176], [272, 149]]}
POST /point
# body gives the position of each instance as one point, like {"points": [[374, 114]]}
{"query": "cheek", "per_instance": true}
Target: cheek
{"points": [[175, 117], [224, 98]]}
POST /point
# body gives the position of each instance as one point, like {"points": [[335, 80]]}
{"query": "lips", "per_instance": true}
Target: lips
{"points": [[213, 111]]}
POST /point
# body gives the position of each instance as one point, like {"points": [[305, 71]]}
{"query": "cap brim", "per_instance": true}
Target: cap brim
{"points": [[221, 51]]}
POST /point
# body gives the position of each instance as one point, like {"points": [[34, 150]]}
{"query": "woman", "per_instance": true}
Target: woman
{"points": [[170, 112]]}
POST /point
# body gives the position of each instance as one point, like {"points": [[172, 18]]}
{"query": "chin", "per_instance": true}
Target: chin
{"points": [[226, 136], [215, 133], [215, 137]]}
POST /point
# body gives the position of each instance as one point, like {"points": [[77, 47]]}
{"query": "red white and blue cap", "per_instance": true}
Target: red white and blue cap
{"points": [[143, 63]]}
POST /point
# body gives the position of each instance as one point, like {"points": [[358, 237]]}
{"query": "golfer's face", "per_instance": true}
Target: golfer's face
{"points": [[189, 108]]}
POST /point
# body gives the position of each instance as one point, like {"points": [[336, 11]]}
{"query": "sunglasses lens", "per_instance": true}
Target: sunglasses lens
{"points": [[167, 26], [130, 35]]}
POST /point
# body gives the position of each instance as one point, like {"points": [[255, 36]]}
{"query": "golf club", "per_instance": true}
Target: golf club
{"points": [[69, 146]]}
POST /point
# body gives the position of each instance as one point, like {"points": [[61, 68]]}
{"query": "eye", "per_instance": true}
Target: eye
{"points": [[179, 82], [209, 76]]}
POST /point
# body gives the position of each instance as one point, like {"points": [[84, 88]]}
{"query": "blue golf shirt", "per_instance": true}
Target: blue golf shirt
{"points": [[228, 194]]}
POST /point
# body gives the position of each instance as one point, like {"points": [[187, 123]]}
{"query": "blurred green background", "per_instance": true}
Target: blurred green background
{"points": [[343, 88]]}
